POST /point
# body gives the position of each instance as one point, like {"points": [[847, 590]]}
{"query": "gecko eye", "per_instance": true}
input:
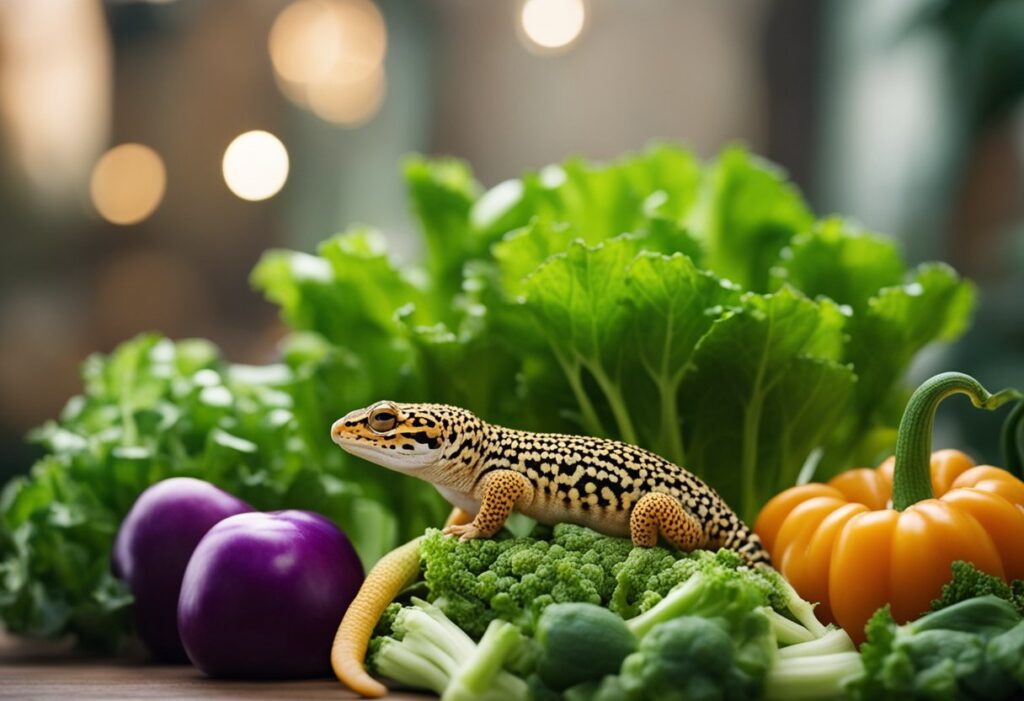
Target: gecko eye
{"points": [[382, 419]]}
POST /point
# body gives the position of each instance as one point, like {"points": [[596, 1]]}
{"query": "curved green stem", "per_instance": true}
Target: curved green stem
{"points": [[912, 474], [616, 402], [671, 436], [1013, 441], [591, 423]]}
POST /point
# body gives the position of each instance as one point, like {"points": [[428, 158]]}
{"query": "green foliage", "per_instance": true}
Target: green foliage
{"points": [[695, 310], [698, 311], [969, 582], [155, 409], [969, 650]]}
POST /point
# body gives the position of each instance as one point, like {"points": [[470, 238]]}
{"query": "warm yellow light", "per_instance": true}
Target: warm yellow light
{"points": [[553, 24], [305, 41], [346, 100], [128, 183], [255, 165], [328, 56]]}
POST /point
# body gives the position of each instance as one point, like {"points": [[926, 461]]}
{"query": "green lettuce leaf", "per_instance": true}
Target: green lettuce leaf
{"points": [[155, 409]]}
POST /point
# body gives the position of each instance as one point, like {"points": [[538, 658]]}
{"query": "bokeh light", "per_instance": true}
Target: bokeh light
{"points": [[255, 165], [128, 183], [305, 41], [552, 25], [347, 100], [328, 57]]}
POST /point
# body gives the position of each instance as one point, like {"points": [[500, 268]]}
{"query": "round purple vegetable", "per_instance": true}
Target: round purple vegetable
{"points": [[264, 593], [153, 547]]}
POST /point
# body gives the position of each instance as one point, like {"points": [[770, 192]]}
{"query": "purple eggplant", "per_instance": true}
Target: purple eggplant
{"points": [[153, 547], [264, 593]]}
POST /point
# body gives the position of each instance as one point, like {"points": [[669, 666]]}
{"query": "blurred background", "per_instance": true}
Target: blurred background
{"points": [[151, 151]]}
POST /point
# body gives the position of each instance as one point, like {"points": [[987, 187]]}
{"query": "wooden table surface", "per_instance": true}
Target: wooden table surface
{"points": [[45, 671]]}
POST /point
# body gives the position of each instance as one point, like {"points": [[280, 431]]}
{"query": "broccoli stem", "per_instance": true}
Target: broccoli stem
{"points": [[787, 632], [817, 677], [834, 641], [395, 660], [483, 673], [427, 624], [677, 603], [802, 610], [462, 644], [434, 653]]}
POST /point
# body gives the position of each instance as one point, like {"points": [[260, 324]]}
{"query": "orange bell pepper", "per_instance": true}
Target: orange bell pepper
{"points": [[871, 537]]}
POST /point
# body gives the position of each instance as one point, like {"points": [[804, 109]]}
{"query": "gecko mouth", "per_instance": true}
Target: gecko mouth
{"points": [[376, 451]]}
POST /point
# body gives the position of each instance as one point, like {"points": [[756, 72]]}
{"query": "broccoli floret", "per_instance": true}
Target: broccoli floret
{"points": [[607, 689], [970, 649], [643, 578], [515, 579], [567, 631], [477, 581], [969, 582], [711, 593], [428, 651], [698, 658], [385, 625]]}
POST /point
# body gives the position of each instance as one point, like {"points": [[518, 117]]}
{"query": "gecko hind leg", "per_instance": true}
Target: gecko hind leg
{"points": [[662, 513]]}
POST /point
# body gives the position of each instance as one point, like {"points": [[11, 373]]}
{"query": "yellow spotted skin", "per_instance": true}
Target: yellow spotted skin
{"points": [[490, 471]]}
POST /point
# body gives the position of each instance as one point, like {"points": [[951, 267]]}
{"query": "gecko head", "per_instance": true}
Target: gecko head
{"points": [[401, 437]]}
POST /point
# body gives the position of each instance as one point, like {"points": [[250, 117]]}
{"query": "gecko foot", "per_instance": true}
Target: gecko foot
{"points": [[466, 531]]}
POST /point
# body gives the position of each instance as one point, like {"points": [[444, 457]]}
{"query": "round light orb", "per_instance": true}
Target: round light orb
{"points": [[127, 184], [552, 25], [255, 165], [328, 58]]}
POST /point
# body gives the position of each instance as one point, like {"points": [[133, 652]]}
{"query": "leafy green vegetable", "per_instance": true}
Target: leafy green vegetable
{"points": [[969, 582], [970, 650], [155, 409], [698, 311]]}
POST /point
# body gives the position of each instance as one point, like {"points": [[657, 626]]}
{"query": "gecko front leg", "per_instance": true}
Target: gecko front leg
{"points": [[502, 490]]}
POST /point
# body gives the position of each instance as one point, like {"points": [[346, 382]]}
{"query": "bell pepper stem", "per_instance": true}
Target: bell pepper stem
{"points": [[911, 480], [1013, 441]]}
